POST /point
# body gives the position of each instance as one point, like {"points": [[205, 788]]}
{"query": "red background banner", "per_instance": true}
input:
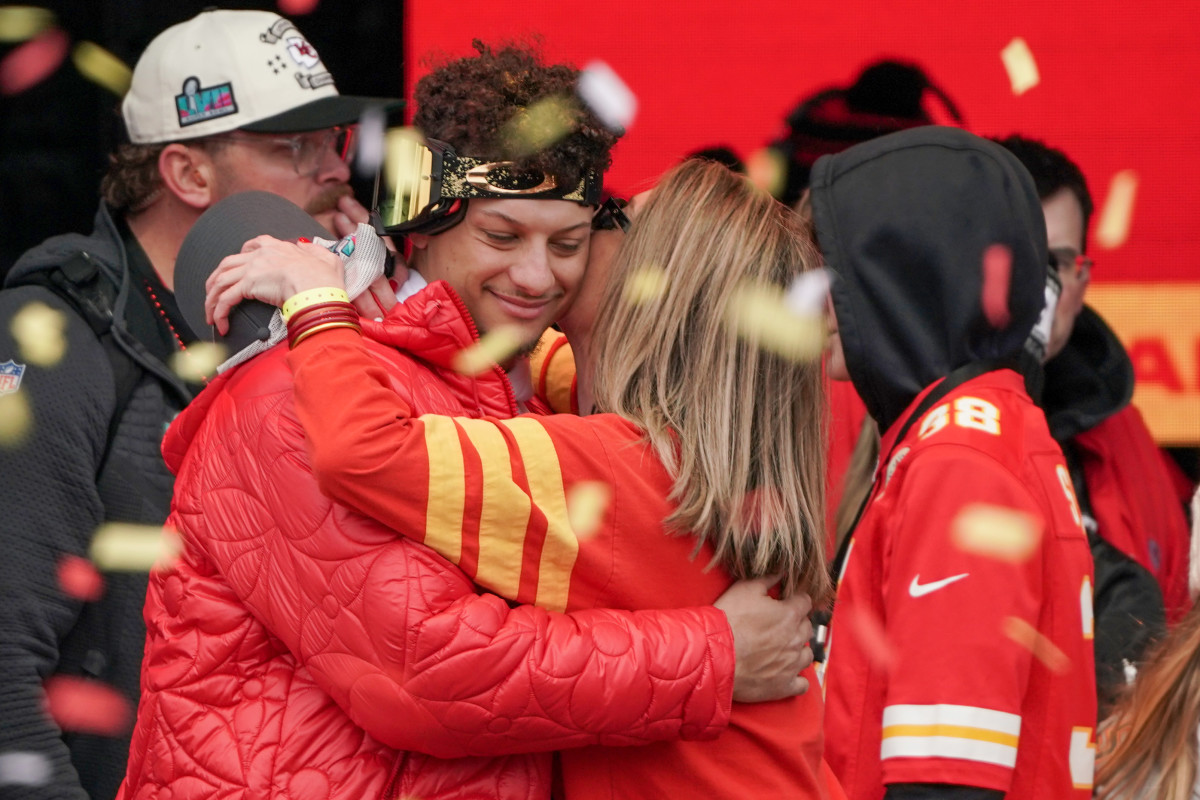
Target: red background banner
{"points": [[1117, 91]]}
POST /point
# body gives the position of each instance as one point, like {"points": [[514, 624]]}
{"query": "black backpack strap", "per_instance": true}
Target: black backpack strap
{"points": [[81, 283]]}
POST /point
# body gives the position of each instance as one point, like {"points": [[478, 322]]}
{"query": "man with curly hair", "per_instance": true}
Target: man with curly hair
{"points": [[299, 649], [205, 119], [515, 258]]}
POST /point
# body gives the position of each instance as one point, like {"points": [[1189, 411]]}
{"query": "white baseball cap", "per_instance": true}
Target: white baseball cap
{"points": [[226, 70]]}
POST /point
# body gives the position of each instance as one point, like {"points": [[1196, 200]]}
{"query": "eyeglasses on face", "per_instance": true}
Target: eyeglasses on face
{"points": [[309, 149], [611, 215], [1071, 261]]}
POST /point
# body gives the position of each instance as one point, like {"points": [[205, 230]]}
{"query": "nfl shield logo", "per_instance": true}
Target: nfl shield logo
{"points": [[10, 376]]}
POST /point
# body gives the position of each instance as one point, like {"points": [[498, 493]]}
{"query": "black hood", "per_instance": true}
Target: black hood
{"points": [[903, 222], [1089, 381]]}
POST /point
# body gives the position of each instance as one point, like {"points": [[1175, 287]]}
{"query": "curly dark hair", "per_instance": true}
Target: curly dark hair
{"points": [[471, 104], [1052, 170]]}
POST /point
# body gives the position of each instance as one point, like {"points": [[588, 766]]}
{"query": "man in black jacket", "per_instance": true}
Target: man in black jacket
{"points": [[1135, 525], [227, 101]]}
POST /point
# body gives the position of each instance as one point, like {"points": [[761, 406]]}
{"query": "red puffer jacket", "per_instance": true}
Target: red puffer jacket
{"points": [[299, 650]]}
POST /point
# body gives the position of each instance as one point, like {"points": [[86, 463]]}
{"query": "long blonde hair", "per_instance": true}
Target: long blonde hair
{"points": [[740, 429], [857, 480], [1149, 745]]}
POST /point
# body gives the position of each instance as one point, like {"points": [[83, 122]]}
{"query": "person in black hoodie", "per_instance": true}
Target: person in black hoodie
{"points": [[958, 667], [1135, 523]]}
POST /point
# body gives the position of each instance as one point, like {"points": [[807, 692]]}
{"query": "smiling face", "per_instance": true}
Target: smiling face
{"points": [[515, 263]]}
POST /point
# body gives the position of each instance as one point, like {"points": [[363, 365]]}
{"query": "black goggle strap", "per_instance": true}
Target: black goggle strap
{"points": [[610, 216]]}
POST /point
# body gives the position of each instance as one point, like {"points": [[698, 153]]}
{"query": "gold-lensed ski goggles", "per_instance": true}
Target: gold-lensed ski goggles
{"points": [[421, 181]]}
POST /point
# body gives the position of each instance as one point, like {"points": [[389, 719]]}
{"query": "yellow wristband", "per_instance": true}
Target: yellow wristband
{"points": [[310, 297]]}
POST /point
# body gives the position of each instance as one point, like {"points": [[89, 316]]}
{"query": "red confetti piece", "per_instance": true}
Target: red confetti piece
{"points": [[87, 706], [296, 8], [1042, 648], [33, 62], [997, 275], [868, 630], [79, 578]]}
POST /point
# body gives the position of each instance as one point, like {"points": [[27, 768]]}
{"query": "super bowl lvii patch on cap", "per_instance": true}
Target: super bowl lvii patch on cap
{"points": [[198, 103]]}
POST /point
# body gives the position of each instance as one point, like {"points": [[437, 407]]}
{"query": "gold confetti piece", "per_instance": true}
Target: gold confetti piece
{"points": [[1004, 534], [34, 61], [1117, 216], [609, 98], [101, 67], [1042, 648], [20, 23], [539, 126], [15, 419], [199, 361], [494, 347], [645, 285], [38, 330], [587, 503], [124, 547], [767, 169], [1021, 66], [760, 315]]}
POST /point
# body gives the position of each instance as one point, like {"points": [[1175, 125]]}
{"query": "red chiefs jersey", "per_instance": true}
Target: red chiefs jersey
{"points": [[953, 658]]}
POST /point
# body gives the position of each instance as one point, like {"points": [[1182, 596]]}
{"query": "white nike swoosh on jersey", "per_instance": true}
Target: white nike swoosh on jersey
{"points": [[918, 589]]}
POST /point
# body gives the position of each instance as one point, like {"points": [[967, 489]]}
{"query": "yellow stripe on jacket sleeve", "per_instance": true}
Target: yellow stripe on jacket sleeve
{"points": [[504, 510], [560, 547], [447, 487], [948, 731]]}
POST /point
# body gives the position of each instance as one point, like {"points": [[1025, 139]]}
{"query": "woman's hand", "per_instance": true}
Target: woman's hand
{"points": [[269, 270]]}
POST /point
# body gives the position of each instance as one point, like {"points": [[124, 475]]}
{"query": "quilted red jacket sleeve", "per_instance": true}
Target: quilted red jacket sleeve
{"points": [[399, 638]]}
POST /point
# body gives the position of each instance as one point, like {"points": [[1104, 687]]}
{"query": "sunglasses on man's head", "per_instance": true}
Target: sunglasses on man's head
{"points": [[419, 185]]}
